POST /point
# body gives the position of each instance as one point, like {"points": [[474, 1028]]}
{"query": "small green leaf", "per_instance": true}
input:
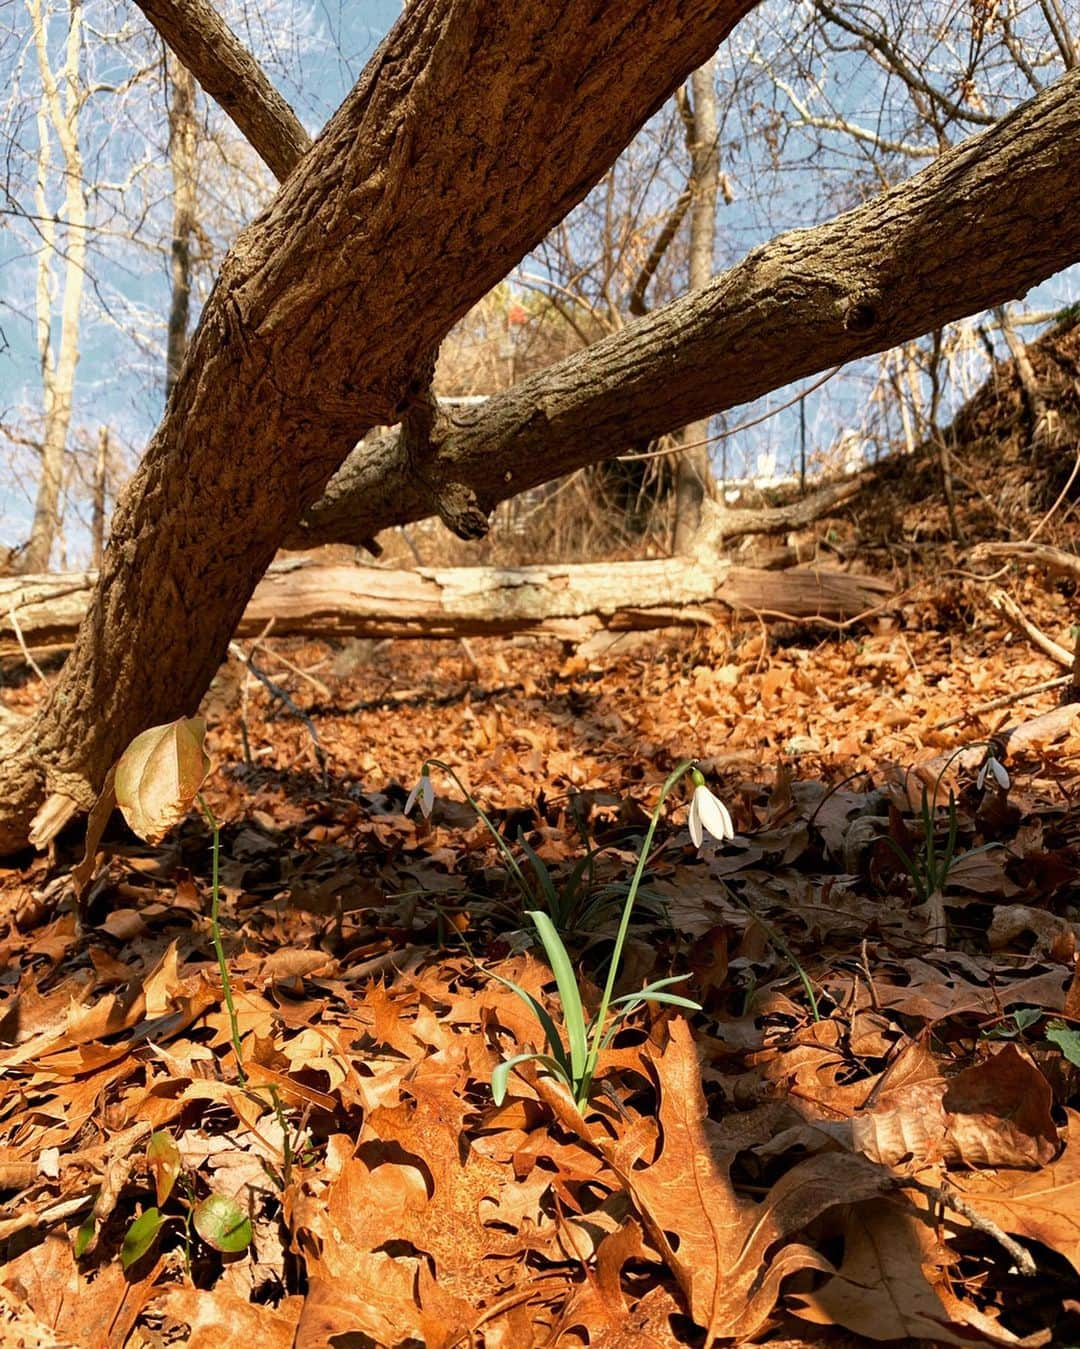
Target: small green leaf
{"points": [[163, 1159], [1026, 1016], [551, 1032], [159, 775], [222, 1223], [84, 1236], [672, 999], [1067, 1040], [140, 1236]]}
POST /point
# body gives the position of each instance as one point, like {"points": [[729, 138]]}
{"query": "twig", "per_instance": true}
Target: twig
{"points": [[282, 695], [730, 431], [870, 985], [24, 648], [1005, 700], [1025, 1262], [317, 684], [1005, 604], [1061, 497], [839, 625]]}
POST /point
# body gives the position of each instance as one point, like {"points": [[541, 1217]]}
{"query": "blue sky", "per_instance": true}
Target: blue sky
{"points": [[314, 54]]}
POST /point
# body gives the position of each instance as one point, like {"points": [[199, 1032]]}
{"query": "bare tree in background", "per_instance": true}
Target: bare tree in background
{"points": [[183, 141], [63, 251], [693, 480]]}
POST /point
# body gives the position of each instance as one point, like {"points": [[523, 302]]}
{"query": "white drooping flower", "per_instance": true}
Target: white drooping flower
{"points": [[708, 814], [992, 768], [424, 793]]}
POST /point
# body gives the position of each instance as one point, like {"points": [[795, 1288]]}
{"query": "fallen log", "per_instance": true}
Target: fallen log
{"points": [[571, 601]]}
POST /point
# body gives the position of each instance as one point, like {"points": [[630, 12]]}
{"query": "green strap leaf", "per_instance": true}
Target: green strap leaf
{"points": [[551, 1033], [566, 980], [500, 1077]]}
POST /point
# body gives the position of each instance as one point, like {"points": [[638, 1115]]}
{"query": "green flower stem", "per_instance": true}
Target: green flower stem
{"points": [[215, 934], [585, 1085], [500, 843], [226, 985], [784, 949]]}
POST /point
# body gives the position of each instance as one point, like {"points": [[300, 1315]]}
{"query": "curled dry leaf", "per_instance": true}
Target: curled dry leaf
{"points": [[996, 1113], [1043, 1205], [159, 775], [881, 1290], [890, 1285], [220, 1317]]}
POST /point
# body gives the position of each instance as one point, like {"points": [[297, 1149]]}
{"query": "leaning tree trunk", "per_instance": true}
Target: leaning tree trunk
{"points": [[285, 370], [473, 131]]}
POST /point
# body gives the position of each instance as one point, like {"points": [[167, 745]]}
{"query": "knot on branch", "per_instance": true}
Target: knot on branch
{"points": [[861, 315], [419, 414], [460, 511]]}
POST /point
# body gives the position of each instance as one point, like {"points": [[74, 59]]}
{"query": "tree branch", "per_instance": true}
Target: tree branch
{"points": [[440, 171], [227, 71], [986, 221]]}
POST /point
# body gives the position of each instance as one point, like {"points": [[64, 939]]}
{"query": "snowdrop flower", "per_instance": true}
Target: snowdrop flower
{"points": [[708, 814], [424, 793], [995, 770]]}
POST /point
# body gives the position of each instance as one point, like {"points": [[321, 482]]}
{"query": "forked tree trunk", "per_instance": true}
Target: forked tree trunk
{"points": [[414, 201], [473, 131]]}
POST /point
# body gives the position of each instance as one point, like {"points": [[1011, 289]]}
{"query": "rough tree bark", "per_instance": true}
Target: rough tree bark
{"points": [[986, 221], [429, 602], [473, 130]]}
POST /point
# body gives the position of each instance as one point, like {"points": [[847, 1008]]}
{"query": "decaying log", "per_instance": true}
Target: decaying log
{"points": [[571, 601]]}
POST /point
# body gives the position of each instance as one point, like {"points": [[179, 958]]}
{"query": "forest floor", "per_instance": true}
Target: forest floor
{"points": [[869, 1131]]}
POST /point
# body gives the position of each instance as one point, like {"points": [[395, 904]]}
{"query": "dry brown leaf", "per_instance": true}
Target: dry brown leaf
{"points": [[1054, 936], [159, 774], [94, 1313], [996, 1113], [219, 1318], [1044, 1205], [719, 1245], [881, 1288]]}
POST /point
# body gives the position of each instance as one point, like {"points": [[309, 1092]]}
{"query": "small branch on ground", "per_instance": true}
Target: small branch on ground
{"points": [[949, 1199], [1005, 700], [1006, 605]]}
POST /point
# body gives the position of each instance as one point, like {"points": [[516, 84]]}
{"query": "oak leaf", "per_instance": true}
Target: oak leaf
{"points": [[719, 1245]]}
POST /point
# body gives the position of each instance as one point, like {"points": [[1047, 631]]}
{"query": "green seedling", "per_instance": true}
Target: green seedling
{"points": [[156, 781], [1016, 1025], [574, 1062], [929, 865], [220, 1222]]}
